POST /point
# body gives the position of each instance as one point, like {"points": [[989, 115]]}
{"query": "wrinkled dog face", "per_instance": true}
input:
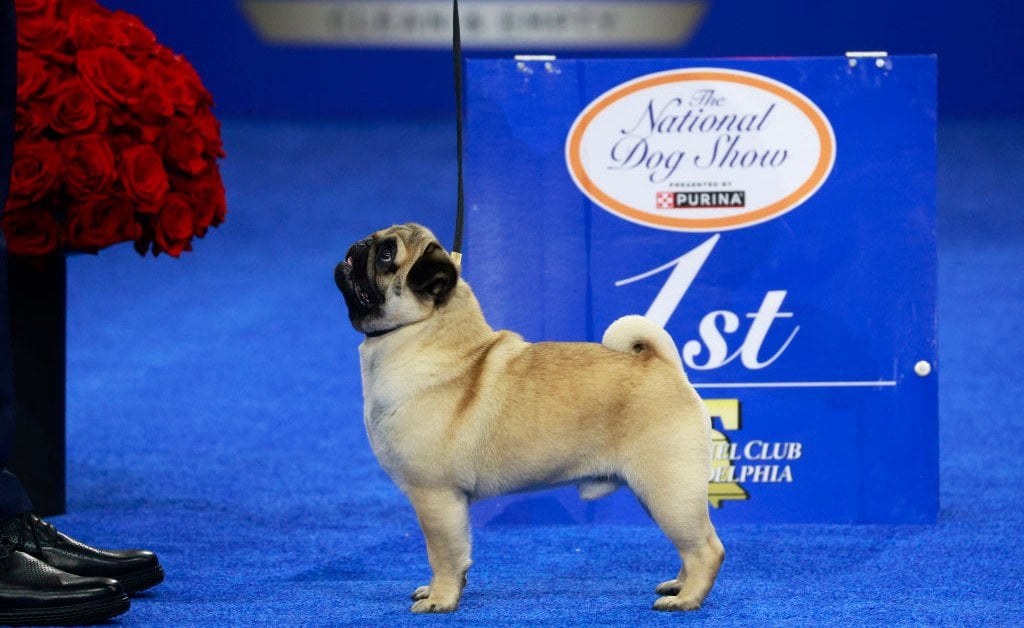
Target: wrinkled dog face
{"points": [[395, 277]]}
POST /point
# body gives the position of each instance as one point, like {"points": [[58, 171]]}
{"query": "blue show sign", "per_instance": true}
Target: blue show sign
{"points": [[776, 216]]}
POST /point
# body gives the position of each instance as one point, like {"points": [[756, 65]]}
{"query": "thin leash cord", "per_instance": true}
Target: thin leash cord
{"points": [[460, 207]]}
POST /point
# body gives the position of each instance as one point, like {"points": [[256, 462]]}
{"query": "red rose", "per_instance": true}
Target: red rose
{"points": [[69, 8], [159, 84], [89, 167], [104, 113], [172, 231], [28, 7], [73, 109], [36, 170], [44, 36], [93, 30], [113, 77], [32, 76], [144, 178], [183, 146], [30, 232], [178, 79], [101, 221], [155, 106], [208, 127], [138, 39], [206, 194], [31, 118]]}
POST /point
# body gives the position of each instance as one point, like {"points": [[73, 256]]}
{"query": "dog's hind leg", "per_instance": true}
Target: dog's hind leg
{"points": [[444, 519], [676, 498]]}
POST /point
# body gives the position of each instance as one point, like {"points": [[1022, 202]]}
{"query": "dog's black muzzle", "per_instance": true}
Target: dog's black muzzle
{"points": [[352, 278]]}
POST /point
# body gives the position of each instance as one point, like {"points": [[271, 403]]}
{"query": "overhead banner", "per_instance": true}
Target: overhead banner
{"points": [[776, 216], [494, 24]]}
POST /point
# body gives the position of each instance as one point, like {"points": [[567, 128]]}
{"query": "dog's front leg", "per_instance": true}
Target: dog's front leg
{"points": [[444, 518]]}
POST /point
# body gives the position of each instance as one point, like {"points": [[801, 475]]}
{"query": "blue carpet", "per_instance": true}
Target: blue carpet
{"points": [[214, 416]]}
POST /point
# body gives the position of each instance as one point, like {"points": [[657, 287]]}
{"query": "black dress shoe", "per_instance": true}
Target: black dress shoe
{"points": [[137, 570], [34, 593]]}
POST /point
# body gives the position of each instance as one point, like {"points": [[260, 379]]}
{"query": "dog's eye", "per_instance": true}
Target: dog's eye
{"points": [[385, 255]]}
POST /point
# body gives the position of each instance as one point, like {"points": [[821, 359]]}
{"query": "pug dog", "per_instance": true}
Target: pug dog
{"points": [[456, 412]]}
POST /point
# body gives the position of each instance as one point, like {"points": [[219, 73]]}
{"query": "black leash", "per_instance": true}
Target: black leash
{"points": [[460, 207]]}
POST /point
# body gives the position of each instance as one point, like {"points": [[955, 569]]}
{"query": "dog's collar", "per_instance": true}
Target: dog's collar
{"points": [[382, 332]]}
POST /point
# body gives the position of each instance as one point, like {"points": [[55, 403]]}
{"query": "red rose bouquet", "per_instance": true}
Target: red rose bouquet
{"points": [[114, 141]]}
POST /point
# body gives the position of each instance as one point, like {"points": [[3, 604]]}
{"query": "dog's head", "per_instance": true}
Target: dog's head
{"points": [[395, 277]]}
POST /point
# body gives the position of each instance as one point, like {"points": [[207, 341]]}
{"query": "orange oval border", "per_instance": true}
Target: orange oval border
{"points": [[826, 140]]}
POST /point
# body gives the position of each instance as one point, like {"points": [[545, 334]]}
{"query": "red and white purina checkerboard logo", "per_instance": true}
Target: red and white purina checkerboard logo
{"points": [[665, 200]]}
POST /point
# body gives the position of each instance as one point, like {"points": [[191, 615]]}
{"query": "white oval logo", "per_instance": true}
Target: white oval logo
{"points": [[701, 149]]}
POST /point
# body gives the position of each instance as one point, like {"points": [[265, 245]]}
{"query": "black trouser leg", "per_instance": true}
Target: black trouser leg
{"points": [[13, 499]]}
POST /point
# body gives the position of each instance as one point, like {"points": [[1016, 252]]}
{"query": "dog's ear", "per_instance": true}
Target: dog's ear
{"points": [[434, 274]]}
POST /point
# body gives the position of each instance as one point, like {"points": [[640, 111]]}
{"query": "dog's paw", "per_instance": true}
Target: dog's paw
{"points": [[429, 605], [675, 603], [421, 593], [669, 587]]}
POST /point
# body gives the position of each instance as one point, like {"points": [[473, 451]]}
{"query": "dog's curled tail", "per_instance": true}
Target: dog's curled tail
{"points": [[636, 334]]}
